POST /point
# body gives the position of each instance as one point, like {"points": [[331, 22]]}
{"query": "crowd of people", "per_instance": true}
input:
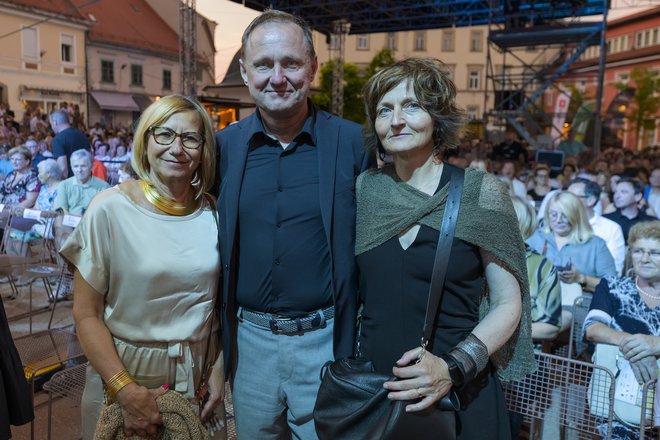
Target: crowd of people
{"points": [[322, 244]]}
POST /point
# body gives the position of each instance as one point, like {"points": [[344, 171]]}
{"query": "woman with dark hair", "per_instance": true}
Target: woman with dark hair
{"points": [[412, 116]]}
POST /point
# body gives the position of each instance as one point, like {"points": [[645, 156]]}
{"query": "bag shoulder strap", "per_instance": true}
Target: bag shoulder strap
{"points": [[443, 251]]}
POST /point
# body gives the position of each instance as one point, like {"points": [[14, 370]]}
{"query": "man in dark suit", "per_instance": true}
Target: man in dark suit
{"points": [[287, 234]]}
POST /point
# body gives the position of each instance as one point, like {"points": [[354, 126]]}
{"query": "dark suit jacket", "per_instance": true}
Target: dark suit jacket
{"points": [[341, 159]]}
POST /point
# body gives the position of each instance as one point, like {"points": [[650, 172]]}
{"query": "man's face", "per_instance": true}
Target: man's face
{"points": [[508, 170], [577, 189], [624, 195], [654, 180], [278, 68], [82, 169]]}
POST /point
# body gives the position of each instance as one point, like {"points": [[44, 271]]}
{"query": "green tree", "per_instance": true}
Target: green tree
{"points": [[353, 83], [643, 111], [382, 59]]}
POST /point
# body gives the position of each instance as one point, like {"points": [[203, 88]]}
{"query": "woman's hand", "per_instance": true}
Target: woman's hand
{"points": [[645, 369], [428, 380], [638, 346], [569, 275], [139, 409]]}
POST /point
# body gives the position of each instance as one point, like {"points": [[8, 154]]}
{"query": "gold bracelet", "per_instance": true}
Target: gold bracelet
{"points": [[117, 382]]}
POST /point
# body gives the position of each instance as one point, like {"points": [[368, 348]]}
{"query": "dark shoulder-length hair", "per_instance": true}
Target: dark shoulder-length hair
{"points": [[435, 92]]}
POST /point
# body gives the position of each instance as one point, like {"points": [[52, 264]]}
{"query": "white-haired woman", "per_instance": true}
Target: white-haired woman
{"points": [[567, 240]]}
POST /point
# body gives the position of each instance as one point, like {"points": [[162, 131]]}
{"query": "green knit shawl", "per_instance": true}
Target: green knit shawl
{"points": [[386, 206]]}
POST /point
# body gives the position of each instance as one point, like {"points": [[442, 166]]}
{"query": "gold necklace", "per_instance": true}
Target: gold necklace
{"points": [[167, 205], [648, 295]]}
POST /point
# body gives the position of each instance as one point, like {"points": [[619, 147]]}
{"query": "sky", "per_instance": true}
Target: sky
{"points": [[233, 18]]}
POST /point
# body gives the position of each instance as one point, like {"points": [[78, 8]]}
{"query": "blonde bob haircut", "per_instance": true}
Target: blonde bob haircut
{"points": [[158, 113], [526, 216], [572, 208]]}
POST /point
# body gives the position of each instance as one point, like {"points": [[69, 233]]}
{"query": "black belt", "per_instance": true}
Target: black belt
{"points": [[281, 325]]}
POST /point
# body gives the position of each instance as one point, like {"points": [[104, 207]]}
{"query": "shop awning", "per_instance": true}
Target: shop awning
{"points": [[115, 101], [142, 101]]}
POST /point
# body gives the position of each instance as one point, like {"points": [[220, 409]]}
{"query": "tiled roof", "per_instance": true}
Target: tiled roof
{"points": [[64, 7], [129, 23]]}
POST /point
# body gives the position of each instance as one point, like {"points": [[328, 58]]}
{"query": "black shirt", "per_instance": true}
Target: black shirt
{"points": [[627, 223], [284, 264], [66, 142]]}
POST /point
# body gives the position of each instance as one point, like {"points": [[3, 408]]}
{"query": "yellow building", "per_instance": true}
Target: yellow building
{"points": [[42, 62]]}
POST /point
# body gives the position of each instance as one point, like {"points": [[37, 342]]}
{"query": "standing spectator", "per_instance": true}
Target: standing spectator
{"points": [[75, 193], [67, 140], [288, 240], [589, 194], [627, 196], [510, 149], [570, 146], [21, 186]]}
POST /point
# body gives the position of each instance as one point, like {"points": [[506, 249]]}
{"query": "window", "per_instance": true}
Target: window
{"points": [[472, 112], [334, 41], [474, 78], [621, 77], [476, 38], [391, 40], [167, 79], [420, 41], [67, 48], [363, 42], [30, 40], [107, 71], [448, 40], [136, 75]]}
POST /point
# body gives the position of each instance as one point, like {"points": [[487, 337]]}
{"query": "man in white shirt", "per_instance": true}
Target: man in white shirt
{"points": [[589, 194]]}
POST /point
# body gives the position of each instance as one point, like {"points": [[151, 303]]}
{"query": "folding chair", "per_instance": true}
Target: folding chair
{"points": [[69, 384], [562, 394], [576, 342], [647, 432]]}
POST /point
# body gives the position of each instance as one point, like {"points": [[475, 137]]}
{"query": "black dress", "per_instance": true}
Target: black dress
{"points": [[394, 287], [15, 393]]}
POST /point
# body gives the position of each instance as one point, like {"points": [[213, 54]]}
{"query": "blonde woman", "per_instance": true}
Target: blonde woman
{"points": [[567, 240], [544, 287], [144, 294]]}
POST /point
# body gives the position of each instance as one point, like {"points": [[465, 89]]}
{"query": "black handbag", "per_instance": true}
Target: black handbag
{"points": [[351, 402]]}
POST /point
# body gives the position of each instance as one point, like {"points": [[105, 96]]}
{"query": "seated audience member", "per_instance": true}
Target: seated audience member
{"points": [[33, 147], [652, 192], [21, 186], [625, 311], [589, 194], [50, 176], [75, 193], [567, 173], [508, 173], [5, 164], [627, 196], [567, 240], [544, 287], [541, 178]]}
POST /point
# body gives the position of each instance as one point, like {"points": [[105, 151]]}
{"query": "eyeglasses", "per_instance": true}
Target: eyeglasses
{"points": [[165, 136], [639, 252], [554, 215]]}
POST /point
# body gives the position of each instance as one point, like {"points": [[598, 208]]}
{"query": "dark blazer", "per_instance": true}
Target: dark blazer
{"points": [[341, 159]]}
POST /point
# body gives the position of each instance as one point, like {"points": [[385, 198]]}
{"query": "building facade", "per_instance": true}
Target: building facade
{"points": [[43, 59], [632, 42]]}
